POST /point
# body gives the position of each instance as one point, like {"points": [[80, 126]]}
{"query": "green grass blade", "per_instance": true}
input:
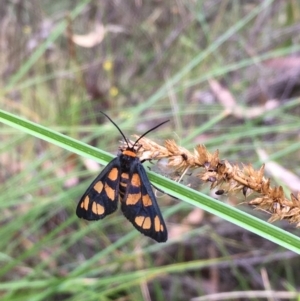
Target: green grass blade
{"points": [[177, 190], [229, 213]]}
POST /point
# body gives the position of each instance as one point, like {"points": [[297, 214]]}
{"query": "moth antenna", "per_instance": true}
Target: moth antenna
{"points": [[139, 137], [116, 127], [150, 131]]}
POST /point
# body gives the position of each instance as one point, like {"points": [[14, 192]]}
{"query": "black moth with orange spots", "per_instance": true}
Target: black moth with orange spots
{"points": [[125, 178]]}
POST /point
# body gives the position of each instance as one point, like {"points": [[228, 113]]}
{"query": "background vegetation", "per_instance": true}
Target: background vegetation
{"points": [[143, 62]]}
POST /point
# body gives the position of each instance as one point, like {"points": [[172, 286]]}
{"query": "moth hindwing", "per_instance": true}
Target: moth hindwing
{"points": [[125, 178]]}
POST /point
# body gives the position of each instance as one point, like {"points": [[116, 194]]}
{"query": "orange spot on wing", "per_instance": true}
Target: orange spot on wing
{"points": [[146, 200], [147, 223], [136, 180], [133, 198], [157, 224], [139, 220], [98, 186], [129, 153], [85, 203], [113, 174], [97, 208], [111, 193]]}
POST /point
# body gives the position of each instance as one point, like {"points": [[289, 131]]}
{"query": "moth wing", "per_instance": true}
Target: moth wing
{"points": [[101, 198], [140, 207]]}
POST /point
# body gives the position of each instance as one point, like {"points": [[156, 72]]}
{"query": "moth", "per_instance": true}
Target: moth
{"points": [[124, 179]]}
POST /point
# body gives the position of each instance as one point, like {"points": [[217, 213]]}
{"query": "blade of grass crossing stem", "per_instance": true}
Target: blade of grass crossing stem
{"points": [[177, 190]]}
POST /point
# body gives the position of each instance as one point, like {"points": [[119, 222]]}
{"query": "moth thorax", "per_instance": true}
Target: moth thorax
{"points": [[126, 162]]}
